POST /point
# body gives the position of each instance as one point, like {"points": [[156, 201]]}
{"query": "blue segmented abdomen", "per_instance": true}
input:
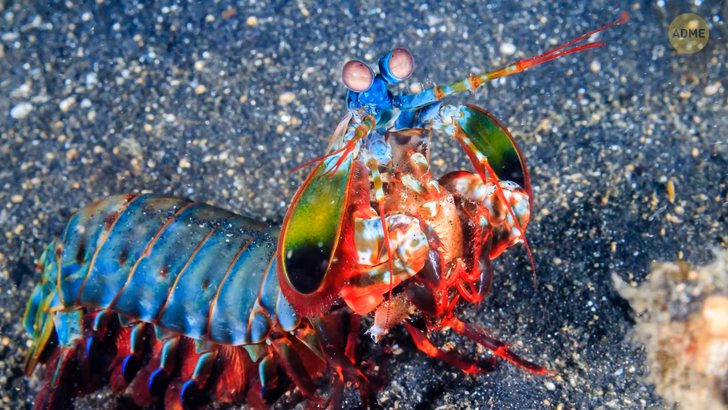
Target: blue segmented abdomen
{"points": [[187, 267]]}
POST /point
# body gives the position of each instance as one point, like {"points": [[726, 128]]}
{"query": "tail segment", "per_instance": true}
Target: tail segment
{"points": [[84, 349], [38, 319], [137, 359], [75, 361]]}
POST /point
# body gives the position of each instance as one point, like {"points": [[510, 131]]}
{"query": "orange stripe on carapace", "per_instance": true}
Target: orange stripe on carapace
{"points": [[103, 242], [213, 303], [184, 268], [265, 276], [58, 253], [148, 250]]}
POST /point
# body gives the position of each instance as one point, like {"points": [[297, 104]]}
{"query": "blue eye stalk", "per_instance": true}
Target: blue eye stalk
{"points": [[376, 96], [397, 65], [394, 67]]}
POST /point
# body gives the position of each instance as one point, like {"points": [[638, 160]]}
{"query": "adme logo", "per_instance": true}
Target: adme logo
{"points": [[689, 33]]}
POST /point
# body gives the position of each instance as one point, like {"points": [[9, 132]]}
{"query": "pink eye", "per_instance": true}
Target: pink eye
{"points": [[401, 64], [357, 76]]}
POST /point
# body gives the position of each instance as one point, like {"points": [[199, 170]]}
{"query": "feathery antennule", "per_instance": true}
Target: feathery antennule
{"points": [[550, 55]]}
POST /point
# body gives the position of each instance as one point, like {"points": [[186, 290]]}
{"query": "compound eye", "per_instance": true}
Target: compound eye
{"points": [[357, 76], [401, 64]]}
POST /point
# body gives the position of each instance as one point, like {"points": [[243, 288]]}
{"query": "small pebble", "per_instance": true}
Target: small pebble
{"points": [[184, 163], [252, 21], [21, 110], [711, 89], [200, 89], [550, 386], [67, 103], [286, 98], [508, 49], [671, 191], [17, 199], [595, 66], [91, 80], [21, 92], [672, 218], [9, 36]]}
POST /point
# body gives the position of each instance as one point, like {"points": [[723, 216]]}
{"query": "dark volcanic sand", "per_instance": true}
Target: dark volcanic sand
{"points": [[217, 101]]}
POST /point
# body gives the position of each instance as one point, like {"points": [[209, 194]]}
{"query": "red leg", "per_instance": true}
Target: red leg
{"points": [[429, 349], [332, 333], [498, 348], [236, 370], [58, 390], [353, 337], [291, 361]]}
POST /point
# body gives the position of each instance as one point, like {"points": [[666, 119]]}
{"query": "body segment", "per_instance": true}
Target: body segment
{"points": [[186, 269], [172, 270]]}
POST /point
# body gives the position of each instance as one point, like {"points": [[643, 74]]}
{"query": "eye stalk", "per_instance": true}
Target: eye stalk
{"points": [[397, 65], [357, 76]]}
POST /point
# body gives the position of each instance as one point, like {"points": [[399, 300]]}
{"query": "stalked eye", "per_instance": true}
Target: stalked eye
{"points": [[401, 63], [397, 65], [357, 76]]}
